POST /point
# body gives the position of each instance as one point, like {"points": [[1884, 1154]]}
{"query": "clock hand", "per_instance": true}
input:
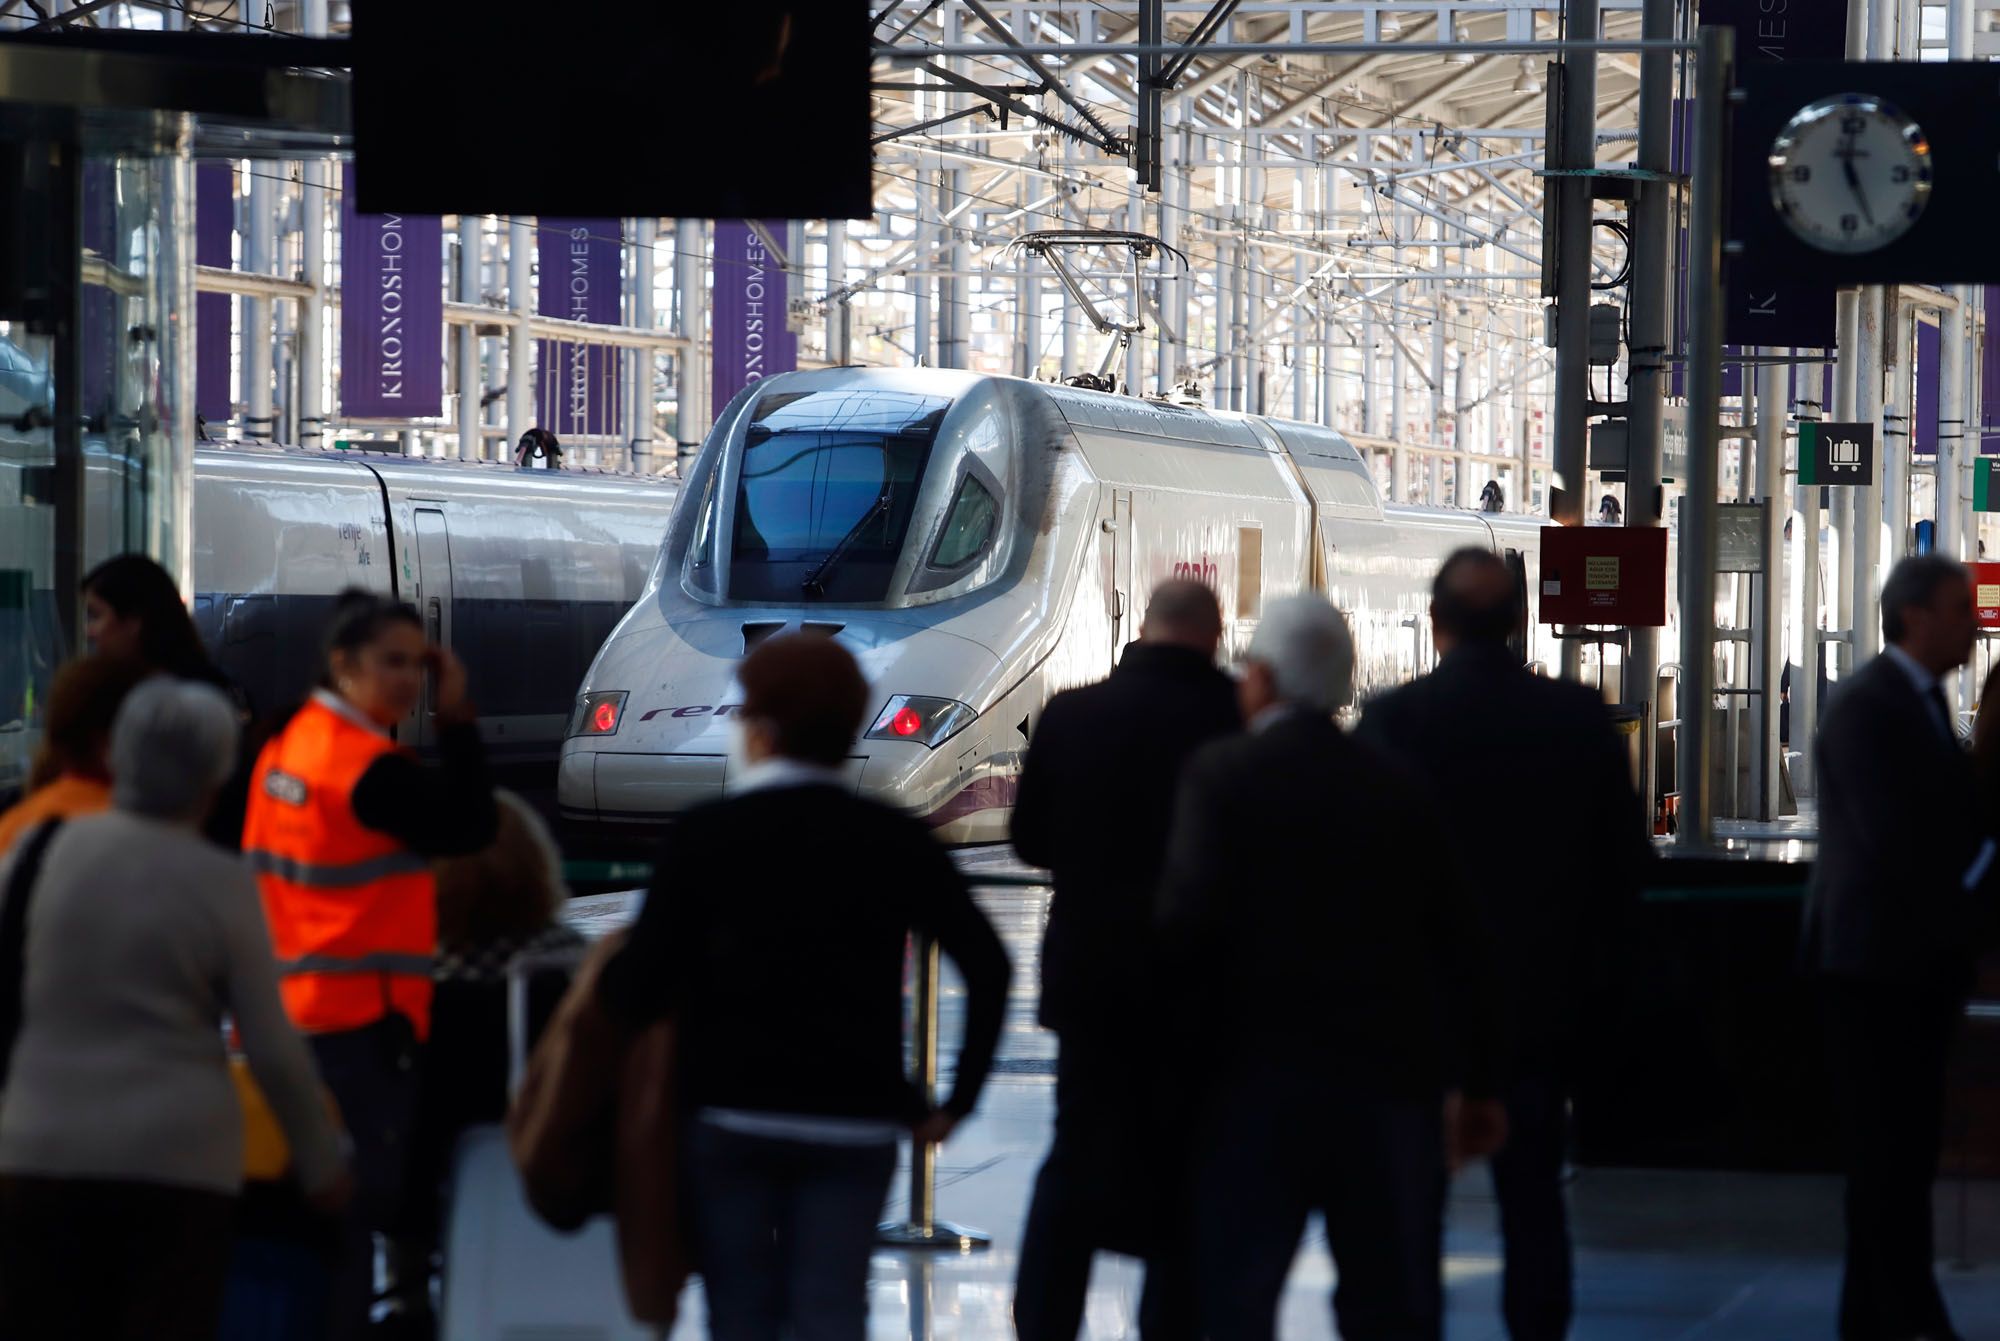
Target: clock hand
{"points": [[1847, 157]]}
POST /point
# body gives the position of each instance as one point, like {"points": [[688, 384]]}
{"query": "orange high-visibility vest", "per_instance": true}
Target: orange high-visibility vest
{"points": [[353, 913]]}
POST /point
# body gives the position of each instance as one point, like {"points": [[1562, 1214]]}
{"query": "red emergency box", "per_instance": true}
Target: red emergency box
{"points": [[1604, 575], [1986, 594]]}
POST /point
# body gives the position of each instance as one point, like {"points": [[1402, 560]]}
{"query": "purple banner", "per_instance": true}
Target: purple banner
{"points": [[391, 313], [752, 339], [1929, 383], [582, 279], [214, 244]]}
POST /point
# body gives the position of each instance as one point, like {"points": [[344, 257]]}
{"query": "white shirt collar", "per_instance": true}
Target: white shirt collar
{"points": [[1919, 674], [779, 771], [341, 708]]}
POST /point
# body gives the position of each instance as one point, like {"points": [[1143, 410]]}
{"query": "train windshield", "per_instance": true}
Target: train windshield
{"points": [[825, 493]]}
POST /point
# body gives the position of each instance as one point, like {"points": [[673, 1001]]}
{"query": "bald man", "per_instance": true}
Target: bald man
{"points": [[1486, 733], [1096, 798]]}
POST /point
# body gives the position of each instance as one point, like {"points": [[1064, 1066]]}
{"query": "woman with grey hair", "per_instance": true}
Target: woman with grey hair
{"points": [[121, 1135]]}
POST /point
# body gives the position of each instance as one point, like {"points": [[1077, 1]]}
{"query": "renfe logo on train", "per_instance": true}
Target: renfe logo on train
{"points": [[695, 710]]}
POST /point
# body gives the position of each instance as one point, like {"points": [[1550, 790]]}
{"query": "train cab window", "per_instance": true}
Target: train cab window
{"points": [[968, 527]]}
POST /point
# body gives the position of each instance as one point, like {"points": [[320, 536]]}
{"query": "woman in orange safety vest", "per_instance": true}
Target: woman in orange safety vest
{"points": [[341, 828]]}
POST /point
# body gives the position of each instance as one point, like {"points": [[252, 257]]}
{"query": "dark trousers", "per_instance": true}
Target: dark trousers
{"points": [[372, 1073], [1534, 1219], [1109, 1183], [783, 1231], [1280, 1147], [111, 1260], [1886, 1054]]}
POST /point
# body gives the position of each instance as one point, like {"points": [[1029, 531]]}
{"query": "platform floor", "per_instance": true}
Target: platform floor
{"points": [[1661, 1256]]}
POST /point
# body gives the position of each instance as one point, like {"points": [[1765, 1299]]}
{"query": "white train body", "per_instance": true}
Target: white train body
{"points": [[992, 541]]}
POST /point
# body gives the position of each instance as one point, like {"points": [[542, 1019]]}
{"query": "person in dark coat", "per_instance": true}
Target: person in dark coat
{"points": [[1891, 917], [1096, 796], [1480, 717], [1346, 984], [775, 935]]}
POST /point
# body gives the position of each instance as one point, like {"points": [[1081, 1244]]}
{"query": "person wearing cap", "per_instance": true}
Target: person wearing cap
{"points": [[1341, 983], [1561, 926], [1106, 759], [774, 934]]}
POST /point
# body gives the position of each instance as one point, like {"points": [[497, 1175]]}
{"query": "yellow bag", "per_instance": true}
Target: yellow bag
{"points": [[267, 1156]]}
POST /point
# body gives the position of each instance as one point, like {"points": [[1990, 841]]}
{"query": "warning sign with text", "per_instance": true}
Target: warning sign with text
{"points": [[1604, 575], [1986, 594]]}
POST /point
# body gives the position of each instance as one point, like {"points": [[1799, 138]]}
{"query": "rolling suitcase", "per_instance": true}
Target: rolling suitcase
{"points": [[506, 1273]]}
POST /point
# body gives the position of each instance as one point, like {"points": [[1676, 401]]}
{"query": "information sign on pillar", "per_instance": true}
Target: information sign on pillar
{"points": [[1986, 594], [391, 313], [1604, 575], [1836, 453], [752, 340], [1986, 484]]}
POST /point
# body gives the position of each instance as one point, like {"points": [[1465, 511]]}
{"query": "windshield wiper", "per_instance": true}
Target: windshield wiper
{"points": [[813, 585]]}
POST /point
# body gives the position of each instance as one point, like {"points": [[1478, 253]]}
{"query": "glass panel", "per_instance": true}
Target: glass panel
{"points": [[969, 526], [31, 644]]}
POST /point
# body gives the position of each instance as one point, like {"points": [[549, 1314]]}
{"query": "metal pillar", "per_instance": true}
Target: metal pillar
{"points": [[521, 300], [1437, 463], [839, 313], [259, 314], [1846, 393], [951, 315], [1805, 685], [1578, 152], [1867, 539], [1407, 490], [923, 1229], [1770, 644], [1714, 76], [1898, 423], [1647, 381], [470, 391], [645, 273], [312, 314], [691, 389]]}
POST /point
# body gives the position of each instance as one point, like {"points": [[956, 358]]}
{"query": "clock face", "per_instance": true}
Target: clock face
{"points": [[1850, 173]]}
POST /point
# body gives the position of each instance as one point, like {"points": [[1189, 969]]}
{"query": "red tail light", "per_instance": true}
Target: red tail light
{"points": [[604, 720], [598, 714], [907, 722]]}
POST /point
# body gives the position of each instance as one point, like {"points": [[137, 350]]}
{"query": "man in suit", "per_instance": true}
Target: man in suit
{"points": [[1096, 794], [1889, 934], [1481, 729], [1338, 982]]}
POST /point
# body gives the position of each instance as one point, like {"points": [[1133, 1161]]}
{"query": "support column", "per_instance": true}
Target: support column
{"points": [[951, 332], [1898, 424], [839, 313], [1407, 489], [691, 394], [1770, 616], [645, 271], [1839, 577], [466, 342], [260, 314], [1805, 685], [1647, 371], [1578, 152], [1437, 463], [312, 313], [521, 302], [1867, 540]]}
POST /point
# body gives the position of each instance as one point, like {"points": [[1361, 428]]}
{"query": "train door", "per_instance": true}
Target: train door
{"points": [[1124, 620], [433, 602]]}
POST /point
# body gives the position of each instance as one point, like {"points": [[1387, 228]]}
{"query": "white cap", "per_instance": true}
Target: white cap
{"points": [[1304, 642]]}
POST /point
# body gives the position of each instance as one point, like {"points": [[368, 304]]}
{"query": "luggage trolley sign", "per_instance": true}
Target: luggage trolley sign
{"points": [[1836, 453], [1604, 575]]}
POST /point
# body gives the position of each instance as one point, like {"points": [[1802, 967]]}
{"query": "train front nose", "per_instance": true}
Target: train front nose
{"points": [[673, 744]]}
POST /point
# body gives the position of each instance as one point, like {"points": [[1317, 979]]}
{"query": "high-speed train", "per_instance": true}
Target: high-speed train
{"points": [[522, 573], [980, 543]]}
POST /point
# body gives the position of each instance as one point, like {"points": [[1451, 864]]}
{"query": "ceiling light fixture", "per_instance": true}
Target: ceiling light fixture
{"points": [[1458, 34]]}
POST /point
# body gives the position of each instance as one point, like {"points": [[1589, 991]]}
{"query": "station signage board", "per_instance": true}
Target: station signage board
{"points": [[1985, 484], [1986, 594], [1604, 575], [1836, 453]]}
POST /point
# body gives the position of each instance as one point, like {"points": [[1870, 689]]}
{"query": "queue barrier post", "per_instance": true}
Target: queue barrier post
{"points": [[922, 1228]]}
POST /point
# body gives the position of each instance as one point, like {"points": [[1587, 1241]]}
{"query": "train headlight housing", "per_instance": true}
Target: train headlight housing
{"points": [[598, 714], [926, 721]]}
